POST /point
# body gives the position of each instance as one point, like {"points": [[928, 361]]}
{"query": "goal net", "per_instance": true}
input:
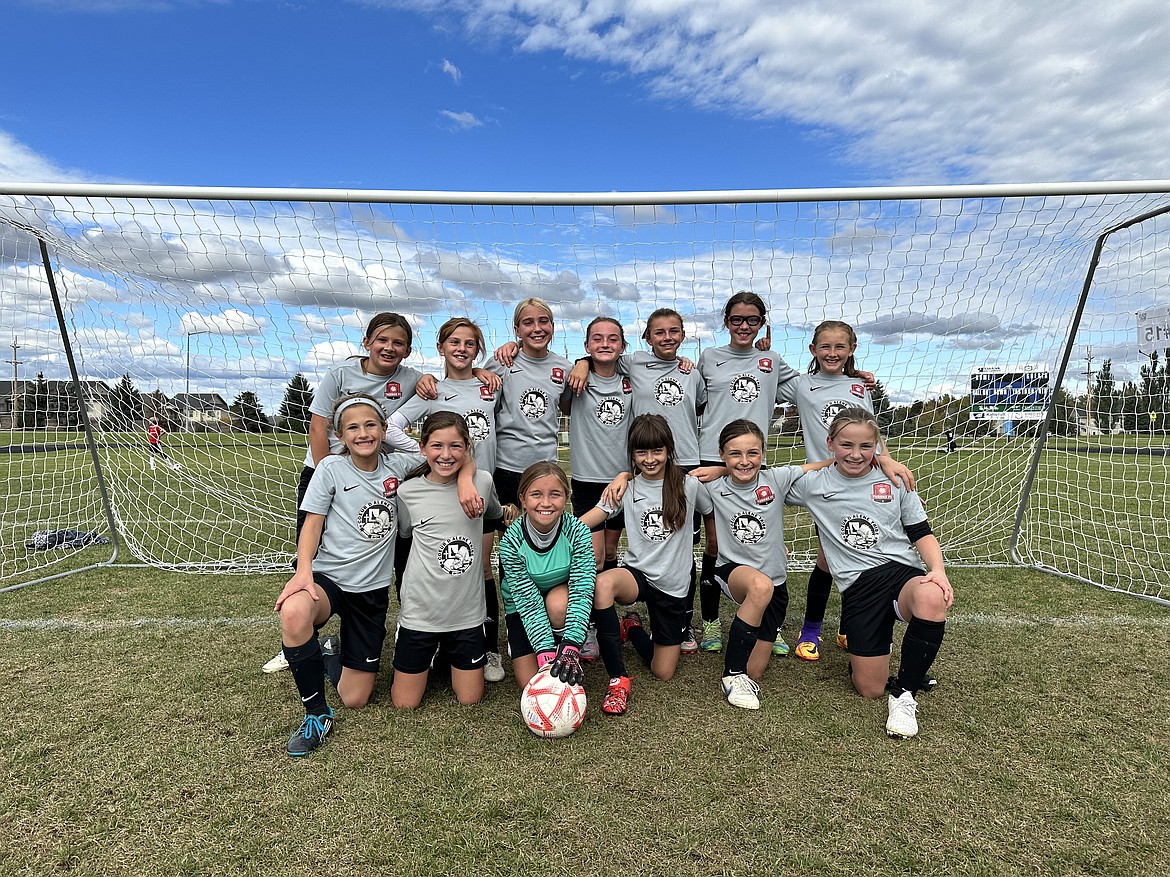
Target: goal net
{"points": [[215, 312]]}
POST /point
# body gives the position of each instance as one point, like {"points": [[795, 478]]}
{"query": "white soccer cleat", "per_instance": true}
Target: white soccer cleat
{"points": [[742, 691], [493, 670], [903, 718], [276, 664]]}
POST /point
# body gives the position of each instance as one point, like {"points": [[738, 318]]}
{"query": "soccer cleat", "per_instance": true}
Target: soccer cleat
{"points": [[493, 670], [310, 735], [903, 718], [276, 663], [589, 649], [742, 691], [842, 641], [779, 647], [809, 650], [617, 696], [629, 620], [689, 646], [712, 640]]}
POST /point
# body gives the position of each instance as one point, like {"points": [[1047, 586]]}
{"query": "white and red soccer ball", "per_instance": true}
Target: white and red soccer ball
{"points": [[552, 708]]}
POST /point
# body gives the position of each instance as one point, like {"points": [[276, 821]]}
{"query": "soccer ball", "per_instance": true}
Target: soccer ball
{"points": [[550, 707]]}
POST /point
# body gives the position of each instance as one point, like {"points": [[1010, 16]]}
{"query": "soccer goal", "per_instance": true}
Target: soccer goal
{"points": [[1014, 330]]}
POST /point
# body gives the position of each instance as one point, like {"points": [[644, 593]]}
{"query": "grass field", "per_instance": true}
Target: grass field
{"points": [[141, 738]]}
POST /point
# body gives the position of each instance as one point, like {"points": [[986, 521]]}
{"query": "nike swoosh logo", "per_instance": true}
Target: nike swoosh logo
{"points": [[480, 658], [815, 388], [307, 699], [726, 493], [648, 364], [514, 371], [829, 495], [348, 488], [425, 521], [724, 362], [372, 660], [639, 499], [449, 398]]}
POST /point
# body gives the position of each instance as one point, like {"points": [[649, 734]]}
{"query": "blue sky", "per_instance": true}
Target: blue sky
{"points": [[552, 95]]}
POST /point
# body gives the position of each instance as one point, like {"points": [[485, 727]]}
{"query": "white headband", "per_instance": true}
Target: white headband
{"points": [[356, 400]]}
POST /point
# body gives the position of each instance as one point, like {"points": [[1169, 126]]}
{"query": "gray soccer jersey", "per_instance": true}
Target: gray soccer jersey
{"points": [[665, 557], [740, 384], [661, 388], [347, 377], [467, 397], [598, 425], [749, 520], [861, 521], [819, 398], [442, 586], [357, 545], [529, 413]]}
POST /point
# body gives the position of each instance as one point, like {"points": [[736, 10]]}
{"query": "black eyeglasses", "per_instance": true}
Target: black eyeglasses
{"points": [[737, 320]]}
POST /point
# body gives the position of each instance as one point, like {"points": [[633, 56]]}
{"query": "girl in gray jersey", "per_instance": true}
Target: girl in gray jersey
{"points": [[876, 538], [748, 514], [833, 383], [345, 555], [461, 343], [741, 382], [659, 566], [442, 600]]}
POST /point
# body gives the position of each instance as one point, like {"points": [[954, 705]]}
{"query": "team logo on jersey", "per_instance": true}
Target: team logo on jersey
{"points": [[882, 492], [486, 395], [390, 487], [858, 390], [832, 410], [558, 375], [376, 520], [668, 392], [745, 388], [393, 390], [860, 532], [747, 528], [534, 403], [456, 556], [764, 495], [478, 425], [627, 387], [654, 526], [611, 411], [765, 365]]}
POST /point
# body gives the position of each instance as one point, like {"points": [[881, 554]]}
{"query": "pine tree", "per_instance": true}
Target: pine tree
{"points": [[294, 409], [248, 414], [125, 405]]}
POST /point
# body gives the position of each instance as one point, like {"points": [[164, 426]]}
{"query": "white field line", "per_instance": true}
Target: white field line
{"points": [[961, 619]]}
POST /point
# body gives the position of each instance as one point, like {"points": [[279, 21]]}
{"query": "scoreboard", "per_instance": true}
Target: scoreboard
{"points": [[1000, 394]]}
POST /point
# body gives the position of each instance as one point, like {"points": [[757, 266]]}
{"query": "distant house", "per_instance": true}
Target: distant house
{"points": [[59, 409], [204, 411]]}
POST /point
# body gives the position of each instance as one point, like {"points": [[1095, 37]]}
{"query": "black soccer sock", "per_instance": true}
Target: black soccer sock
{"points": [[332, 668], [642, 643], [741, 639], [491, 627], [820, 584], [308, 672], [609, 563], [609, 641], [920, 646], [709, 592]]}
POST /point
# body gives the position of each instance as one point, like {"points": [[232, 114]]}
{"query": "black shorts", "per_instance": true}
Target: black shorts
{"points": [[508, 491], [869, 608], [363, 622], [774, 612], [586, 496], [415, 649], [670, 622], [155, 449]]}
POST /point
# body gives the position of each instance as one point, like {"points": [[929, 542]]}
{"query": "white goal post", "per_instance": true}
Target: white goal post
{"points": [[210, 310]]}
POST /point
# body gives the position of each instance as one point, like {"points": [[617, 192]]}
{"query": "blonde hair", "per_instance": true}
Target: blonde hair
{"points": [[531, 303], [855, 416], [540, 470], [449, 327], [835, 325]]}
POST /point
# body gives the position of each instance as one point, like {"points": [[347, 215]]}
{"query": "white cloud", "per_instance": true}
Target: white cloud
{"points": [[452, 71], [463, 121], [998, 91], [230, 322]]}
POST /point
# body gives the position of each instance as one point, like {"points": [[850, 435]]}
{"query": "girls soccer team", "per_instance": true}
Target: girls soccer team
{"points": [[557, 570]]}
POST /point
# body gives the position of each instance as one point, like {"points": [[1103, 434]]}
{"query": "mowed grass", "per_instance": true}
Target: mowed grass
{"points": [[141, 738]]}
